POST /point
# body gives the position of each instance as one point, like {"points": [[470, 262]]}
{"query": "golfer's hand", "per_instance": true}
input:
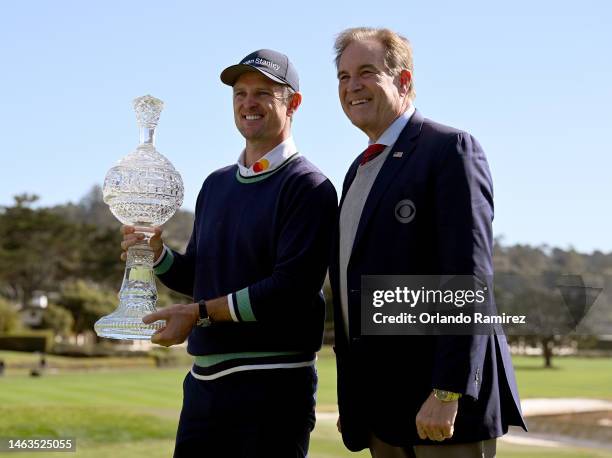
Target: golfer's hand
{"points": [[131, 237], [180, 320], [436, 419]]}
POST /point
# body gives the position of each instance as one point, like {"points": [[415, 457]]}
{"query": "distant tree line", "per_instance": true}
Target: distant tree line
{"points": [[565, 294], [71, 253]]}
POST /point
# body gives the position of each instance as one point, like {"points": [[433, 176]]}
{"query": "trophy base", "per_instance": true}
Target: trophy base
{"points": [[137, 299], [125, 328]]}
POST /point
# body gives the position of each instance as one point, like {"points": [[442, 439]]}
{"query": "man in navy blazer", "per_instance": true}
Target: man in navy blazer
{"points": [[418, 201]]}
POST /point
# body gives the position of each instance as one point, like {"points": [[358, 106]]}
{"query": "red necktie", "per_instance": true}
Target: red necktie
{"points": [[371, 152]]}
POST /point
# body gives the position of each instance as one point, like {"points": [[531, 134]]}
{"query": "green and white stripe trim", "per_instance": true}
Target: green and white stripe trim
{"points": [[230, 302], [164, 262], [240, 306], [213, 360], [211, 367], [250, 368]]}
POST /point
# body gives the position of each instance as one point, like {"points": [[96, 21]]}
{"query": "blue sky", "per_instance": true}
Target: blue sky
{"points": [[531, 80]]}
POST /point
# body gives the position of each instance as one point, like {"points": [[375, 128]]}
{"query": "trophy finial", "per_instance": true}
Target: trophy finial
{"points": [[148, 109]]}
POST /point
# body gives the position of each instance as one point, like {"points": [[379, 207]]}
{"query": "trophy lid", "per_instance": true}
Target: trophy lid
{"points": [[148, 109]]}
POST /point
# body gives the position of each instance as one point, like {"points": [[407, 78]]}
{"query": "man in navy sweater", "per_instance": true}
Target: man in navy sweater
{"points": [[254, 265], [418, 201]]}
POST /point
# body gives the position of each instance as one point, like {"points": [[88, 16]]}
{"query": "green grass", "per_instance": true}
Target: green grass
{"points": [[134, 412], [519, 451], [326, 369], [20, 362], [570, 377], [127, 388], [325, 443], [100, 425]]}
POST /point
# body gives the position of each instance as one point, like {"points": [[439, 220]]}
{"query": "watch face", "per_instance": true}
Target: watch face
{"points": [[203, 322]]}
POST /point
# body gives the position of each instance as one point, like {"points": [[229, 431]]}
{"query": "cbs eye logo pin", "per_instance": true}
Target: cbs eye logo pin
{"points": [[405, 211]]}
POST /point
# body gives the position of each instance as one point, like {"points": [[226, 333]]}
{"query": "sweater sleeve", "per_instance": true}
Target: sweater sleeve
{"points": [[176, 270], [304, 235]]}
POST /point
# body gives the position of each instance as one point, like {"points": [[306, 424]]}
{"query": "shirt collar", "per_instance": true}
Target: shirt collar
{"points": [[389, 136], [270, 161]]}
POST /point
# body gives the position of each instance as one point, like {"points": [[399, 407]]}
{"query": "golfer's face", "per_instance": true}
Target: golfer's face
{"points": [[260, 109]]}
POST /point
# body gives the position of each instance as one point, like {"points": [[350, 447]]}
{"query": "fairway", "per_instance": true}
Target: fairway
{"points": [[134, 412]]}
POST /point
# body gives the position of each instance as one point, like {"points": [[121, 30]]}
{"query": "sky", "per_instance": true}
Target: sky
{"points": [[531, 80]]}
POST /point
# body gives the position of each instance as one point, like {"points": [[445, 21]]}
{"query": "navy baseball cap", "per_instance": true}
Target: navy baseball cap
{"points": [[272, 64]]}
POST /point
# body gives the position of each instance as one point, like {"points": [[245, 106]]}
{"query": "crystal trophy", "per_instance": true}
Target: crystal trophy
{"points": [[142, 190]]}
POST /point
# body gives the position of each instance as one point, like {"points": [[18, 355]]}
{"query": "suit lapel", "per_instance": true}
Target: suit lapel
{"points": [[348, 181], [396, 159]]}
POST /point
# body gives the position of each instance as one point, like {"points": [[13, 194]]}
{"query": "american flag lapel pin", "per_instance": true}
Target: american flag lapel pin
{"points": [[398, 154]]}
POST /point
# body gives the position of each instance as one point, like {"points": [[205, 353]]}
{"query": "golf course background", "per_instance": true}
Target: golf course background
{"points": [[133, 411]]}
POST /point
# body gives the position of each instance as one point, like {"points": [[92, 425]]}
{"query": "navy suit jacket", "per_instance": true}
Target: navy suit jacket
{"points": [[384, 380]]}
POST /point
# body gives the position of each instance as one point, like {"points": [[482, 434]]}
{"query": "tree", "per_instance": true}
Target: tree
{"points": [[548, 321], [540, 282], [9, 318], [87, 303], [37, 248], [100, 256], [58, 319]]}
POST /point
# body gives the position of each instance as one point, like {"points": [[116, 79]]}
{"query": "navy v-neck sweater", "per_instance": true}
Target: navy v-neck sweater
{"points": [[266, 241]]}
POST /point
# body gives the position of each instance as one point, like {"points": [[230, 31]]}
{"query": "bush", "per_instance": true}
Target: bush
{"points": [[170, 357], [97, 349], [31, 341]]}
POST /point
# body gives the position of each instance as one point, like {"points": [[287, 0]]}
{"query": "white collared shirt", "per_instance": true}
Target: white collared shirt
{"points": [[271, 160], [390, 135]]}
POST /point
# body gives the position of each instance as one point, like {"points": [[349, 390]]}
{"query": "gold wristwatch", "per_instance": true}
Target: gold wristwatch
{"points": [[445, 396]]}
